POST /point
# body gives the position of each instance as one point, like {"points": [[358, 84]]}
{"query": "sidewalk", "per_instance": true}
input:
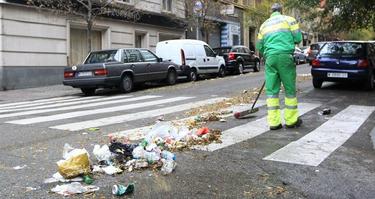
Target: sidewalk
{"points": [[37, 93]]}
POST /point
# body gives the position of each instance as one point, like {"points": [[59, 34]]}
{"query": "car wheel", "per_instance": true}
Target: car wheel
{"points": [[127, 84], [370, 83], [221, 71], [171, 77], [193, 75], [88, 91], [240, 69], [317, 83], [257, 66]]}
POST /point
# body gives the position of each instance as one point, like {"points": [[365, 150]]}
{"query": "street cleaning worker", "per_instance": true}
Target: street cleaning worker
{"points": [[276, 41]]}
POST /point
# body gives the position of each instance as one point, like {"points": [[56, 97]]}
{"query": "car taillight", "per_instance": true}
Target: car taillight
{"points": [[231, 56], [183, 60], [68, 74], [363, 63], [315, 63], [101, 72]]}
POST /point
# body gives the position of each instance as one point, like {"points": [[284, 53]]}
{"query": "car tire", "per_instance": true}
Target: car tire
{"points": [[317, 83], [88, 91], [127, 84], [257, 66], [221, 72], [171, 77], [193, 75], [370, 83], [240, 68]]}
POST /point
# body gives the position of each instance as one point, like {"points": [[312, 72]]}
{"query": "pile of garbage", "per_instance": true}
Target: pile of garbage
{"points": [[155, 151]]}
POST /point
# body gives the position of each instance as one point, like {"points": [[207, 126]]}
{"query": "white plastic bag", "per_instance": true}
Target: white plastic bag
{"points": [[73, 188], [102, 153]]}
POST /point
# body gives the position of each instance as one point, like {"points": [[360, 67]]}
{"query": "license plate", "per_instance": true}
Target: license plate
{"points": [[338, 75], [85, 74]]}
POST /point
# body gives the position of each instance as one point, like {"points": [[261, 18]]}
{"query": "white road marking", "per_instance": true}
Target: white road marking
{"points": [[84, 100], [134, 116], [42, 104], [77, 106], [95, 111], [249, 130], [140, 132], [315, 147], [36, 101]]}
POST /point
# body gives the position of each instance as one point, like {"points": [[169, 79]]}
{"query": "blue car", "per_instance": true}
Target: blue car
{"points": [[345, 61]]}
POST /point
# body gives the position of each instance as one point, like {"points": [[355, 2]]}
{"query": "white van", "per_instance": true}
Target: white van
{"points": [[193, 56]]}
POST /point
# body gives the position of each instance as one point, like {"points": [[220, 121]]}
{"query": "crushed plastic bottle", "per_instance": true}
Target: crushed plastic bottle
{"points": [[168, 155], [138, 152], [168, 166], [152, 157]]}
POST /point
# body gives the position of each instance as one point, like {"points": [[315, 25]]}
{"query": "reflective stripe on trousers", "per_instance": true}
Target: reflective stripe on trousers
{"points": [[291, 110], [274, 115]]}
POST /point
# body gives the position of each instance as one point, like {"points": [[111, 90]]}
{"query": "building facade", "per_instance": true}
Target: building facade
{"points": [[36, 44]]}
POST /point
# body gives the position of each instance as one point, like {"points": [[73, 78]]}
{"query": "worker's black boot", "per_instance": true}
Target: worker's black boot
{"points": [[295, 125], [276, 127]]}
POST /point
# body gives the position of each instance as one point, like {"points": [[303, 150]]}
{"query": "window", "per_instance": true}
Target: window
{"points": [[134, 56], [209, 52], [167, 5], [148, 56], [247, 50], [140, 40], [124, 57], [103, 57], [343, 49]]}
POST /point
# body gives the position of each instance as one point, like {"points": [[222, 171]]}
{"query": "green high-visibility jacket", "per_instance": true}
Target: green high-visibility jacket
{"points": [[278, 35]]}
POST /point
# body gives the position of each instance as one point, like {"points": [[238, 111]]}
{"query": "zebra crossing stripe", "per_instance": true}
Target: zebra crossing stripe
{"points": [[84, 100], [248, 131], [137, 132], [133, 116], [36, 101], [32, 112], [42, 104], [315, 147], [95, 111]]}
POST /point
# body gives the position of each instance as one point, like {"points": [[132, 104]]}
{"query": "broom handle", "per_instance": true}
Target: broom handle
{"points": [[260, 91]]}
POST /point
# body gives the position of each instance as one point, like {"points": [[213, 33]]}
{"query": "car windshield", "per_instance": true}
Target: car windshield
{"points": [[221, 51], [343, 49], [103, 57]]}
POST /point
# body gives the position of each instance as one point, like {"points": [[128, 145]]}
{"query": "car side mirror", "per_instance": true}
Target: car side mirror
{"points": [[160, 59]]}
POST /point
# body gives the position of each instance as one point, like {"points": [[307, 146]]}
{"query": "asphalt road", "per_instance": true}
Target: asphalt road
{"points": [[237, 170]]}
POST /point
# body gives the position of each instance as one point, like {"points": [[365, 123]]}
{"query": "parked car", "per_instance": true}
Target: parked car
{"points": [[119, 68], [239, 58], [313, 50], [193, 57], [299, 56], [345, 61]]}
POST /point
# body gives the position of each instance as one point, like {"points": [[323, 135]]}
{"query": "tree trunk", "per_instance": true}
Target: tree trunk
{"points": [[90, 22], [89, 29]]}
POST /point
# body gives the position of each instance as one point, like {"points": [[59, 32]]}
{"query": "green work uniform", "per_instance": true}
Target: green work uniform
{"points": [[276, 41]]}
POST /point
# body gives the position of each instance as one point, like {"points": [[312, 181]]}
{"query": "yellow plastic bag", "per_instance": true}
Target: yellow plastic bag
{"points": [[76, 163]]}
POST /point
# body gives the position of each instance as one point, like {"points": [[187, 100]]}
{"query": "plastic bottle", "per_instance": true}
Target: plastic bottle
{"points": [[168, 155], [168, 166], [152, 157], [138, 152]]}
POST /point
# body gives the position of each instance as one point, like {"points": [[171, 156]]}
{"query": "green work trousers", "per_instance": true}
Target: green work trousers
{"points": [[281, 69]]}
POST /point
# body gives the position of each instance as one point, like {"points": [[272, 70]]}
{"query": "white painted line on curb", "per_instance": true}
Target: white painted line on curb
{"points": [[315, 147], [133, 116], [36, 101], [95, 111], [249, 130], [77, 106]]}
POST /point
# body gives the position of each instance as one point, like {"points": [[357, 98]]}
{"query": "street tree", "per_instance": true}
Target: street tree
{"points": [[338, 15], [204, 15], [88, 10]]}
